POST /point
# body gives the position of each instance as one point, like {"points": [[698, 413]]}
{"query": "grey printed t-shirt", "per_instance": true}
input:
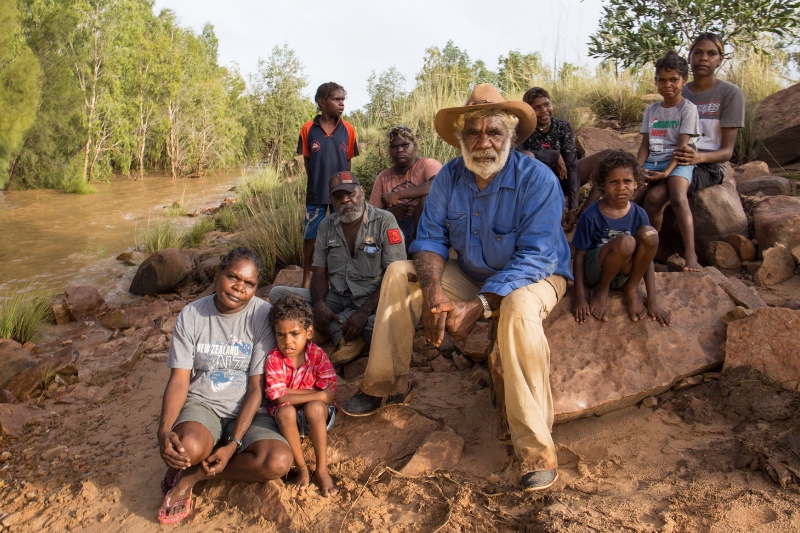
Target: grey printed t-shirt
{"points": [[721, 106], [222, 351], [664, 124]]}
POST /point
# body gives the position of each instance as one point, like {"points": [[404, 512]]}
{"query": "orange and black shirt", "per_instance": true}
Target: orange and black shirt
{"points": [[327, 154]]}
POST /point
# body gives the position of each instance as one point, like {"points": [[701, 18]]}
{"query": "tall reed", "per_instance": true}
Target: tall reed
{"points": [[271, 219], [160, 235], [22, 311]]}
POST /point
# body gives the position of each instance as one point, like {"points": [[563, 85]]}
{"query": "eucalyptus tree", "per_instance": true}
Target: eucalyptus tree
{"points": [[19, 78]]}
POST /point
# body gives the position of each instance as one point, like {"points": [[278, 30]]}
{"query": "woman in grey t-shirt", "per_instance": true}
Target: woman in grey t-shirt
{"points": [[720, 108], [212, 421]]}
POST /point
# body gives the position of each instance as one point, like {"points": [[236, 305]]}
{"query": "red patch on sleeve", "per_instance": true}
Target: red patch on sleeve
{"points": [[394, 236]]}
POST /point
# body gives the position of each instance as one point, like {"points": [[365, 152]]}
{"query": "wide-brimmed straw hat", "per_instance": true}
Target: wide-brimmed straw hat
{"points": [[484, 96]]}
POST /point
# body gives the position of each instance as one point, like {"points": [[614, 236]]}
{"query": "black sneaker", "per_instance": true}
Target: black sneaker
{"points": [[400, 397], [362, 404], [539, 480]]}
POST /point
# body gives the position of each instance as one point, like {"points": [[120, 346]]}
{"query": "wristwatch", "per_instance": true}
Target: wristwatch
{"points": [[238, 442], [487, 311]]}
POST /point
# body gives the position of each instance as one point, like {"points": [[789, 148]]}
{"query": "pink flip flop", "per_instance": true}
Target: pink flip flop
{"points": [[166, 514]]}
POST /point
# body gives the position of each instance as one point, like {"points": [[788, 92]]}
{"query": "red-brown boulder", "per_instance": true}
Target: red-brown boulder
{"points": [[777, 267], [13, 360], [63, 362], [591, 140], [83, 301], [765, 186], [164, 271], [597, 367], [767, 341], [778, 126], [750, 170], [717, 212], [743, 246], [777, 220], [722, 255]]}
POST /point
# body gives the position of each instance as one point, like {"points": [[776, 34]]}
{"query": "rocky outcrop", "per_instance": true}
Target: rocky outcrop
{"points": [[591, 140], [767, 341], [476, 345], [14, 417], [598, 366], [83, 302], [717, 212], [115, 358], [388, 436], [13, 360], [63, 362], [777, 220], [778, 126], [777, 266], [164, 271], [744, 247], [750, 170], [141, 314], [722, 255], [441, 450], [765, 186]]}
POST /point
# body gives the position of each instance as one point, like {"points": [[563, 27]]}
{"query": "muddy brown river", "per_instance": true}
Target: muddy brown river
{"points": [[52, 239]]}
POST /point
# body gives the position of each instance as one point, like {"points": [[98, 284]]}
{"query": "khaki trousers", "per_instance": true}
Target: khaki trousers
{"points": [[524, 351]]}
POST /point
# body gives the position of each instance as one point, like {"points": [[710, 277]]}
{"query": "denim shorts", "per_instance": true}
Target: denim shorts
{"points": [[263, 426], [592, 270], [302, 423], [315, 213], [684, 171]]}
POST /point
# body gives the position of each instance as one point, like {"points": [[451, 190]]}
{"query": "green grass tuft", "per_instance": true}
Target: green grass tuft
{"points": [[198, 231], [22, 311], [161, 235]]}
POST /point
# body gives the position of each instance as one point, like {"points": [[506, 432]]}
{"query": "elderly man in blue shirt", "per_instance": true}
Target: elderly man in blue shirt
{"points": [[501, 212]]}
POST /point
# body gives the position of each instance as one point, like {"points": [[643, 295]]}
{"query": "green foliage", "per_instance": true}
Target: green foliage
{"points": [[198, 231], [384, 91], [160, 235], [271, 220], [122, 89], [637, 32], [226, 219], [19, 78], [275, 108], [22, 311], [517, 71]]}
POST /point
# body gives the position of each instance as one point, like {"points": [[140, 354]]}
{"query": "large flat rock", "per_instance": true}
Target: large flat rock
{"points": [[389, 436], [598, 367], [768, 340]]}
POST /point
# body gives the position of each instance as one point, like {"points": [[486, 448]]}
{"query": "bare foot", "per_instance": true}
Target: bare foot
{"points": [[302, 479], [598, 306], [692, 265], [656, 313], [325, 483], [636, 309]]}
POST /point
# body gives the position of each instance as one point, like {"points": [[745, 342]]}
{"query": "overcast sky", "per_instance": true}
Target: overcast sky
{"points": [[345, 41]]}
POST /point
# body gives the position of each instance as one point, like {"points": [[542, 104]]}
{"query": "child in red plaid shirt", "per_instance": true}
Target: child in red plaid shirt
{"points": [[300, 386]]}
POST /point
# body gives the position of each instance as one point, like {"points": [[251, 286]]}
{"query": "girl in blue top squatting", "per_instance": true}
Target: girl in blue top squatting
{"points": [[615, 245]]}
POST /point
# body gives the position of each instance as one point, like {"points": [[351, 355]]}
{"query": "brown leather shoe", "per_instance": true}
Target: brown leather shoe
{"points": [[347, 351]]}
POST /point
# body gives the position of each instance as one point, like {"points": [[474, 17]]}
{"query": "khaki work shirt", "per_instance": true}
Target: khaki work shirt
{"points": [[379, 243]]}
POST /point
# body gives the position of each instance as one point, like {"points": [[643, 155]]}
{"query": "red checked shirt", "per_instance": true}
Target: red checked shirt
{"points": [[316, 372]]}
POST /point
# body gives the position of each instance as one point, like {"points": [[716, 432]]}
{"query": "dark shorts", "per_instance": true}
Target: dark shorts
{"points": [[407, 227], [263, 426], [592, 271], [302, 423], [315, 213]]}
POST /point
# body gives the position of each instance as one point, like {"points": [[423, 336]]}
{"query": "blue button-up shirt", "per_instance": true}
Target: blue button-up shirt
{"points": [[508, 235]]}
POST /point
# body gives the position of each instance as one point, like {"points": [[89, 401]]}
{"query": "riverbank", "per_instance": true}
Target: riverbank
{"points": [[52, 239]]}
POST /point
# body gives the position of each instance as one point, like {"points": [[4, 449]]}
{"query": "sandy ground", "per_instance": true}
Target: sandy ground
{"points": [[720, 456]]}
